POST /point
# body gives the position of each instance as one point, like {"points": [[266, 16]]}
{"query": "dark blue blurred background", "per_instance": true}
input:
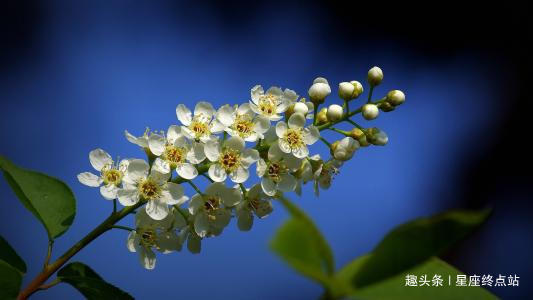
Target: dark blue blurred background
{"points": [[74, 75]]}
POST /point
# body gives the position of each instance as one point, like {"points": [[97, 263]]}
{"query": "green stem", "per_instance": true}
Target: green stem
{"points": [[122, 227], [243, 189], [325, 141], [194, 187], [345, 133], [351, 114], [48, 254], [315, 112], [354, 124], [370, 94]]}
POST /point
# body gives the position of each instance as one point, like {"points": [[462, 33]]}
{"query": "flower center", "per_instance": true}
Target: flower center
{"points": [[112, 176], [275, 170], [149, 189], [243, 126], [147, 237], [294, 137], [267, 104], [175, 155], [199, 127], [230, 160], [211, 203], [253, 203]]}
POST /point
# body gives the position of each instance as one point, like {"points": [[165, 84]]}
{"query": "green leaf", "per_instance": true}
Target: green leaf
{"points": [[394, 287], [49, 199], [10, 256], [319, 242], [10, 281], [90, 284], [414, 242]]}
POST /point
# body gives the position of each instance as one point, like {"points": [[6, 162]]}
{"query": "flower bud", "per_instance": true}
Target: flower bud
{"points": [[334, 112], [375, 76], [386, 106], [320, 80], [377, 137], [318, 92], [322, 117], [360, 136], [396, 97], [358, 89], [300, 107], [370, 111], [346, 90], [344, 149]]}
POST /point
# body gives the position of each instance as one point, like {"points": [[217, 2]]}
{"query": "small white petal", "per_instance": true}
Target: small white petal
{"points": [[109, 192], [240, 175], [161, 166], [194, 243], [269, 187], [188, 133], [275, 153], [292, 162], [131, 241], [156, 143], [89, 179], [157, 209], [245, 219], [264, 209], [255, 109], [284, 146], [179, 220], [245, 109], [147, 258], [249, 156], [235, 143], [217, 173], [172, 194], [158, 175], [137, 170], [311, 135], [297, 120], [187, 171], [212, 150], [128, 197], [180, 142], [222, 218], [217, 127], [196, 154], [197, 202], [201, 224], [281, 128], [301, 152], [261, 124], [226, 115], [231, 197], [256, 92], [139, 141], [204, 108], [173, 133], [99, 159], [184, 114], [287, 183], [261, 168], [283, 105]]}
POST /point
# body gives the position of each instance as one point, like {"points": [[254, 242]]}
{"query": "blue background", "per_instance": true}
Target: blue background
{"points": [[88, 72]]}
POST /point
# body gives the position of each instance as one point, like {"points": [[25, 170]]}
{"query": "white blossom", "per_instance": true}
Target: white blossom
{"points": [[110, 177], [272, 103], [243, 122], [294, 138], [275, 173], [255, 203], [202, 125], [230, 158]]}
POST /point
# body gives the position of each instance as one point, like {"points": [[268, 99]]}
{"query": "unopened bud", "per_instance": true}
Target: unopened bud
{"points": [[344, 149], [300, 107], [358, 89], [322, 116], [321, 80], [334, 112], [377, 137], [386, 106], [318, 92], [370, 111], [375, 76], [396, 97], [356, 133], [346, 90]]}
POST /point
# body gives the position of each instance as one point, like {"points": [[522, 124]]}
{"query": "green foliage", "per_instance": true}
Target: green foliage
{"points": [[410, 248], [90, 284], [414, 242], [12, 267], [394, 287], [49, 199]]}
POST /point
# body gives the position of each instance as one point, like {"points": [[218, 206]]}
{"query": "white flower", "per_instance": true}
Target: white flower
{"points": [[211, 210], [344, 149], [110, 174], [324, 174], [294, 137], [276, 173], [243, 122], [141, 141], [305, 173], [202, 125], [139, 183], [370, 111], [272, 103], [230, 158], [174, 151], [334, 112], [155, 234], [256, 202]]}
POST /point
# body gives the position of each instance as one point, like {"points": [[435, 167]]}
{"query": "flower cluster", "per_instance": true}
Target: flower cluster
{"points": [[273, 131]]}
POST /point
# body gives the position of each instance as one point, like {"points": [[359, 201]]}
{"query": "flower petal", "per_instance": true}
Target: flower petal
{"points": [[197, 202], [109, 192], [217, 173], [201, 224], [231, 196], [161, 166], [275, 153], [284, 146], [240, 175], [235, 142], [245, 109], [173, 133], [226, 115], [128, 196], [194, 243], [137, 170], [157, 209], [99, 159], [297, 120], [172, 194], [196, 154], [187, 171], [245, 219], [287, 183], [131, 241], [212, 150], [204, 108], [249, 156], [292, 162], [184, 114], [261, 167], [301, 152], [261, 124], [89, 179], [147, 258], [269, 187], [140, 141], [311, 135], [157, 143], [256, 93], [281, 128], [263, 209], [217, 127]]}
